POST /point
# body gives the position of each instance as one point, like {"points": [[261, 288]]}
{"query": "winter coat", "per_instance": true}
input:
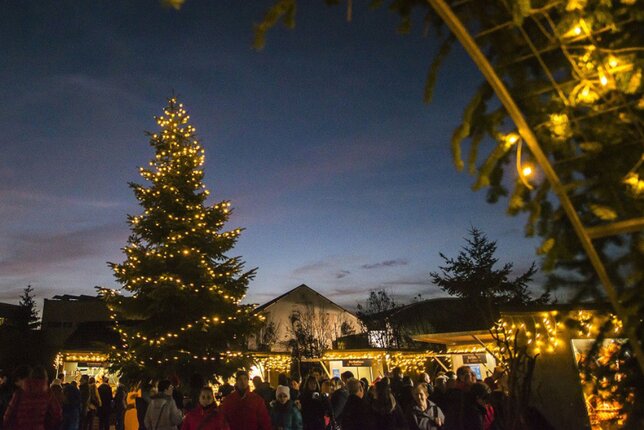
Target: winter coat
{"points": [[356, 414], [33, 409], [338, 400], [245, 412], [285, 417], [425, 420], [120, 399], [84, 397], [105, 393], [72, 401], [193, 419], [314, 408], [389, 415], [94, 398], [162, 414]]}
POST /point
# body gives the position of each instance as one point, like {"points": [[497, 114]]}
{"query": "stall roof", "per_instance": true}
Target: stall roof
{"points": [[456, 338]]}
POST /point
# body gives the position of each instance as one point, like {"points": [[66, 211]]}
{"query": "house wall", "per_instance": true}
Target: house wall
{"points": [[61, 317], [328, 316]]}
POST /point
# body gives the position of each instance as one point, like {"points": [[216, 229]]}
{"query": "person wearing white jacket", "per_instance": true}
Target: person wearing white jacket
{"points": [[162, 413]]}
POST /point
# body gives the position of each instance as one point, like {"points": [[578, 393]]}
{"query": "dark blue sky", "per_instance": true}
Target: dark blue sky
{"points": [[340, 174]]}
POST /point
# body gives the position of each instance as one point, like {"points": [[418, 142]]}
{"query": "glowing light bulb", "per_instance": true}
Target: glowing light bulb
{"points": [[526, 171]]}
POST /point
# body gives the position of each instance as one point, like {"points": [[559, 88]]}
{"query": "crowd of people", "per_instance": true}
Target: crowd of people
{"points": [[452, 401], [28, 401]]}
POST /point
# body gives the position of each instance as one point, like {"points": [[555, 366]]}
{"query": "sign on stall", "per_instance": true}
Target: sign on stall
{"points": [[474, 358], [357, 363]]}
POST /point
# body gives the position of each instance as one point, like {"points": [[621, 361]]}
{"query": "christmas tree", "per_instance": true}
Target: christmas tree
{"points": [[178, 310]]}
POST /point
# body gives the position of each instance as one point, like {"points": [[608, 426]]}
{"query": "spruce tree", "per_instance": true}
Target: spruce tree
{"points": [[30, 319], [178, 310]]}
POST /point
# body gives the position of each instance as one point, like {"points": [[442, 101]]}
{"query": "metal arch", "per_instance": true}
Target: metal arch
{"points": [[464, 37]]}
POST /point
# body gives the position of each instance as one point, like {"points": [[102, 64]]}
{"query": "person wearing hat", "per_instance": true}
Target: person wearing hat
{"points": [[284, 414]]}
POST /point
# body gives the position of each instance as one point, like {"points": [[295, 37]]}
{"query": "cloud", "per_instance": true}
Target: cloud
{"points": [[30, 253], [342, 274], [407, 282], [386, 263], [30, 197], [312, 268]]}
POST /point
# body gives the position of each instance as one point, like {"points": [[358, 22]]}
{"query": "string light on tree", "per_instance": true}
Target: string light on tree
{"points": [[178, 310]]}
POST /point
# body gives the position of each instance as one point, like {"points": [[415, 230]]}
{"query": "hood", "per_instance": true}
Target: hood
{"points": [[35, 385]]}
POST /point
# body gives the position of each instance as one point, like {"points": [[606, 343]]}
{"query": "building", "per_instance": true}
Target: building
{"points": [[79, 327], [11, 315], [302, 309]]}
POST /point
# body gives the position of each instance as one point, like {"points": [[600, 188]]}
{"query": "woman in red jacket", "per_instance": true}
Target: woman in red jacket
{"points": [[33, 407], [205, 416]]}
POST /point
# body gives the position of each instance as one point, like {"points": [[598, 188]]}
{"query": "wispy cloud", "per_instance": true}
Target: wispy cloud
{"points": [[342, 274], [386, 263], [407, 283], [30, 253], [28, 196]]}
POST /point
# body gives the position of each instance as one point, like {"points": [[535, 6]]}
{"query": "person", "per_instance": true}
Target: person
{"points": [[225, 389], [345, 376], [440, 390], [141, 403], [294, 385], [313, 405], [493, 381], [406, 397], [83, 389], [386, 410], [56, 391], [177, 395], [284, 414], [356, 414], [477, 414], [263, 390], [32, 406], [316, 372], [339, 396], [205, 416], [93, 404], [105, 409], [396, 382], [120, 405], [425, 414], [424, 378], [465, 378], [283, 379], [162, 412], [71, 406], [243, 409], [6, 391], [196, 382]]}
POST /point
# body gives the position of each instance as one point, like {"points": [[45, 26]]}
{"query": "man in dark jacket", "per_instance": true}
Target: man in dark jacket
{"points": [[104, 411], [71, 406], [83, 388], [356, 414]]}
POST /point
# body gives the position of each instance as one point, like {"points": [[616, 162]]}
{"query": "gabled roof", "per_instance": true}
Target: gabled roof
{"points": [[303, 288]]}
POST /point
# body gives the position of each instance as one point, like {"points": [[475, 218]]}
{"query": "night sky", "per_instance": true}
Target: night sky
{"points": [[340, 174]]}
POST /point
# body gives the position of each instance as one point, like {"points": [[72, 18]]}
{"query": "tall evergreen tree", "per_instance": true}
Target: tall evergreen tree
{"points": [[30, 319], [473, 275], [178, 311]]}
